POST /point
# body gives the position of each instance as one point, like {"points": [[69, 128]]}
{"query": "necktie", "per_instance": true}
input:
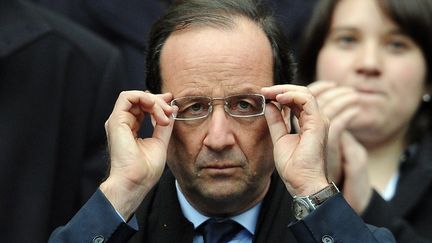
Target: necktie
{"points": [[219, 231]]}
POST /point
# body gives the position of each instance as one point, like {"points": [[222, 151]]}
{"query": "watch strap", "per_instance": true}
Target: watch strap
{"points": [[325, 193]]}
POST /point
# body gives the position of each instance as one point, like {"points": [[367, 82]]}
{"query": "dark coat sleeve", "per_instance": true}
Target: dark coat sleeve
{"points": [[97, 221], [336, 221]]}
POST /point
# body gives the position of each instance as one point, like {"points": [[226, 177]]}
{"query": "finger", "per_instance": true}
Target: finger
{"points": [[341, 122], [301, 100], [340, 105], [163, 133], [167, 97], [146, 100], [335, 94], [355, 154], [318, 87], [275, 122], [286, 114], [127, 99], [160, 111], [164, 101], [272, 91], [124, 126], [159, 116]]}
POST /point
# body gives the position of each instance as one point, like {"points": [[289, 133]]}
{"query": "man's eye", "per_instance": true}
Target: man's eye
{"points": [[244, 105], [196, 107]]}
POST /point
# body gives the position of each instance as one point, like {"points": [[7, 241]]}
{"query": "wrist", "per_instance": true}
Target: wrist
{"points": [[304, 205], [308, 188], [124, 198]]}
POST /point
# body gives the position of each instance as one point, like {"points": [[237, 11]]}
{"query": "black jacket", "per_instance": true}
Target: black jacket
{"points": [[58, 84], [161, 220], [409, 214]]}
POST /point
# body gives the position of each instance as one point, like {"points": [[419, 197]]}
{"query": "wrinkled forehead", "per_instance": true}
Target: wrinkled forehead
{"points": [[215, 61], [219, 89]]}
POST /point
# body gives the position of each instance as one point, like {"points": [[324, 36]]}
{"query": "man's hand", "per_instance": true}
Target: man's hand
{"points": [[346, 157], [299, 158], [136, 163]]}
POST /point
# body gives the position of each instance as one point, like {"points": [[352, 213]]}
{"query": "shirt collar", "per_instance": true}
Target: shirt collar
{"points": [[247, 219]]}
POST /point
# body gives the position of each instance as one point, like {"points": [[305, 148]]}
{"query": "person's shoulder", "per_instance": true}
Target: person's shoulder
{"points": [[37, 19]]}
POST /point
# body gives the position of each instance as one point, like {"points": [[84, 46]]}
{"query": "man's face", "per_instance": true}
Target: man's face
{"points": [[222, 163]]}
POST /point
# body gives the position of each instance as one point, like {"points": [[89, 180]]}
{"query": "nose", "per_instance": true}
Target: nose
{"points": [[220, 133], [369, 60]]}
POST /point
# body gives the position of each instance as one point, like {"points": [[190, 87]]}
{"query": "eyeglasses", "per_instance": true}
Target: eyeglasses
{"points": [[198, 107]]}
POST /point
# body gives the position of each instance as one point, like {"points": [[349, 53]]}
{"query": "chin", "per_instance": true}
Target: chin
{"points": [[222, 190]]}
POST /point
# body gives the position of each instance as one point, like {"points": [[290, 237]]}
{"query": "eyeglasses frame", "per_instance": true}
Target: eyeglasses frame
{"points": [[210, 110]]}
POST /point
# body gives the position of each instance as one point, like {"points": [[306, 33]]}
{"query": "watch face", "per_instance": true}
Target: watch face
{"points": [[300, 209]]}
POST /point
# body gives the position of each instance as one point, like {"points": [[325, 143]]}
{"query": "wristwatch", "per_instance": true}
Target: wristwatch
{"points": [[303, 206]]}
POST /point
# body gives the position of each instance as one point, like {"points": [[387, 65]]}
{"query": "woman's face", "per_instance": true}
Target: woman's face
{"points": [[366, 50]]}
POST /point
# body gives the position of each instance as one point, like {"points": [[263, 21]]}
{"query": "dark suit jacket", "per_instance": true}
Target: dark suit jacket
{"points": [[58, 84], [409, 214], [125, 24], [161, 221]]}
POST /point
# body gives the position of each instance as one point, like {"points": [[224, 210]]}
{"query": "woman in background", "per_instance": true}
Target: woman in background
{"points": [[373, 62]]}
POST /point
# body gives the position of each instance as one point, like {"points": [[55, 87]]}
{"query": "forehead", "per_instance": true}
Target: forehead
{"points": [[367, 13], [211, 61]]}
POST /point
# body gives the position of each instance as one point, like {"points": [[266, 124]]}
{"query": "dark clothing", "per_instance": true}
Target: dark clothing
{"points": [[58, 84], [125, 24], [408, 215], [161, 220], [293, 16]]}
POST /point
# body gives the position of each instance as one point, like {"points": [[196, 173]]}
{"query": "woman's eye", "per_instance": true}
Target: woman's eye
{"points": [[346, 41], [397, 46]]}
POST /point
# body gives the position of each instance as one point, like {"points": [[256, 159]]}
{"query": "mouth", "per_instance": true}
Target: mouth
{"points": [[220, 169], [367, 90]]}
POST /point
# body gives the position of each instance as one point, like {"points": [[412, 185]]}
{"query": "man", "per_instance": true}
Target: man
{"points": [[58, 83], [222, 126]]}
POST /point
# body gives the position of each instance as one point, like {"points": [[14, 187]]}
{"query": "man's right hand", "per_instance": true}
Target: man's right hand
{"points": [[136, 163]]}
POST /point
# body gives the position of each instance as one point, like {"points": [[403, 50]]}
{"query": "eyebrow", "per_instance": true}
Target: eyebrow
{"points": [[228, 90], [393, 31]]}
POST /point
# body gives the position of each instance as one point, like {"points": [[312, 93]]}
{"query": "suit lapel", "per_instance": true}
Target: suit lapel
{"points": [[275, 215], [160, 217]]}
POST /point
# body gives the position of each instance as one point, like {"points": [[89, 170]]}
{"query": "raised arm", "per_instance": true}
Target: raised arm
{"points": [[136, 164]]}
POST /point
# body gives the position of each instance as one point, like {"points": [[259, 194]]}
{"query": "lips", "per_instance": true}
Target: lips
{"points": [[220, 166], [367, 90]]}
